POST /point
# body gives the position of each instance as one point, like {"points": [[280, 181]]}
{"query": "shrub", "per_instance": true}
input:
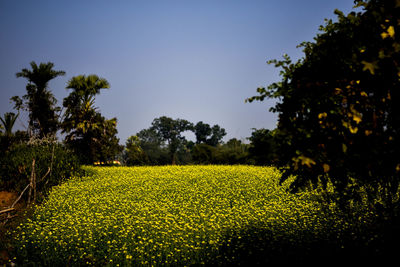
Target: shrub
{"points": [[50, 157]]}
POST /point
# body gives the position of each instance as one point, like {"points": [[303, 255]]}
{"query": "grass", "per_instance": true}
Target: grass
{"points": [[187, 215]]}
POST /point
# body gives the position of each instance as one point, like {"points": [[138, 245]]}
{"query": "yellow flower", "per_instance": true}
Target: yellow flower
{"points": [[326, 167], [389, 33]]}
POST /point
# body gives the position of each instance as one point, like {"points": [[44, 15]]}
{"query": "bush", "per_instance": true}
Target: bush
{"points": [[203, 154], [16, 165], [339, 107]]}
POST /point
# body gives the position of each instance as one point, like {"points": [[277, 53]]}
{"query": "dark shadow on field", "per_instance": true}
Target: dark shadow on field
{"points": [[261, 247]]}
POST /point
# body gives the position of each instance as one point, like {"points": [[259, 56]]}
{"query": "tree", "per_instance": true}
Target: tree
{"points": [[80, 111], [134, 154], [233, 152], [202, 131], [8, 122], [204, 154], [216, 137], [262, 147], [39, 101], [7, 138], [170, 131], [154, 147], [88, 132], [338, 106], [104, 143], [207, 135]]}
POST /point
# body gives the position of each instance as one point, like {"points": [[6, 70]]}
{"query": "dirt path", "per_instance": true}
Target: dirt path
{"points": [[6, 200]]}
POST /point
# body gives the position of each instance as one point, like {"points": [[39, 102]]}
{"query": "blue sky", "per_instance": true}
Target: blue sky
{"points": [[194, 60]]}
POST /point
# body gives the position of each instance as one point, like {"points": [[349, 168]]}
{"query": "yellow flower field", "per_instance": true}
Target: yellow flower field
{"points": [[167, 215]]}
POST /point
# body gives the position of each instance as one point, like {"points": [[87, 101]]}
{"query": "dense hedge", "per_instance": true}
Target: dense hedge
{"points": [[16, 165]]}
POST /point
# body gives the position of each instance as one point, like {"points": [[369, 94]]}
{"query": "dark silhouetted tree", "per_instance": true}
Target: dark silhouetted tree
{"points": [[201, 131], [262, 148], [207, 135], [91, 135], [8, 122], [170, 131], [217, 133], [39, 101], [7, 138], [339, 106]]}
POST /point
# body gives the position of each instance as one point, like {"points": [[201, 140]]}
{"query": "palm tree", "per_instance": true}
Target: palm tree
{"points": [[41, 103], [88, 132], [80, 111], [8, 122]]}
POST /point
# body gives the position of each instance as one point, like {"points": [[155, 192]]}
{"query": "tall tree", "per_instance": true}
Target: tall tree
{"points": [[7, 138], [134, 154], [8, 122], [217, 133], [154, 147], [339, 106], [171, 130], [88, 132], [262, 147], [202, 131], [39, 101], [208, 135], [80, 111]]}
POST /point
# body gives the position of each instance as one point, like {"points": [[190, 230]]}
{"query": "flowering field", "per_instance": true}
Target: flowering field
{"points": [[171, 215]]}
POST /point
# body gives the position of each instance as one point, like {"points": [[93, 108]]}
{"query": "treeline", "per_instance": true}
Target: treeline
{"points": [[164, 143]]}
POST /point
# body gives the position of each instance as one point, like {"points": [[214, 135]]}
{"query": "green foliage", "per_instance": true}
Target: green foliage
{"points": [[233, 152], [7, 137], [204, 154], [262, 148], [92, 136], [201, 131], [7, 141], [163, 143], [39, 101], [16, 165], [8, 122], [338, 106], [156, 152], [207, 135], [170, 131], [80, 111], [133, 153]]}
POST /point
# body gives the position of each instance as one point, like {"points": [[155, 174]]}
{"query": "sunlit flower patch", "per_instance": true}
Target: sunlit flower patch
{"points": [[164, 215]]}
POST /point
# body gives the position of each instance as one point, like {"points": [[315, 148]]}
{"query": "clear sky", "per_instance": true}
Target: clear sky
{"points": [[196, 59]]}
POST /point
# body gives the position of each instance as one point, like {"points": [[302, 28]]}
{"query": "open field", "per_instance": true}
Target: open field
{"points": [[183, 215]]}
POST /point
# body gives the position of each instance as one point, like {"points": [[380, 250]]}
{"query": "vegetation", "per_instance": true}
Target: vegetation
{"points": [[262, 147], [333, 191], [208, 135], [39, 101], [338, 107], [92, 136], [182, 215], [53, 164]]}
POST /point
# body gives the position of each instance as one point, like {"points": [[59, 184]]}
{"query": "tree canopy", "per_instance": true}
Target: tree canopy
{"points": [[170, 131], [39, 101], [208, 135], [88, 132], [339, 105]]}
